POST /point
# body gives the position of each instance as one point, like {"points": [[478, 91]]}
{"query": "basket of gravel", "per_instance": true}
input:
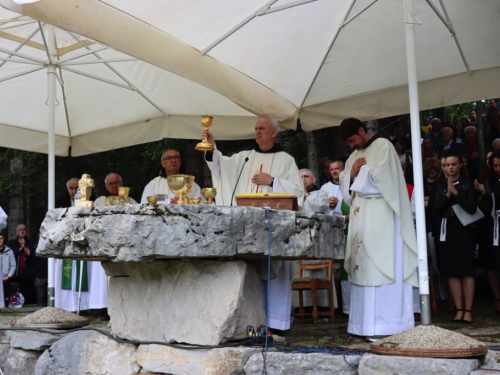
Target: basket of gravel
{"points": [[50, 318], [429, 341]]}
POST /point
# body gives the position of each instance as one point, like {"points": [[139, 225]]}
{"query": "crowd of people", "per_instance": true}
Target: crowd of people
{"points": [[370, 191]]}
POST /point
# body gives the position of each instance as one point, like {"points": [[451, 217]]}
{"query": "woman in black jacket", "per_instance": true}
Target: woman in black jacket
{"points": [[457, 242], [487, 228]]}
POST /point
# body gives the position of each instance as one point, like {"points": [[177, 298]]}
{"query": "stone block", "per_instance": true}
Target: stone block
{"points": [[29, 340], [21, 362], [197, 302], [372, 364], [301, 364], [4, 354], [164, 359], [87, 352], [144, 232]]}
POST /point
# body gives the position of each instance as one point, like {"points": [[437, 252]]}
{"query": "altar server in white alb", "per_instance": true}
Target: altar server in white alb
{"points": [[266, 168], [171, 164], [381, 251]]}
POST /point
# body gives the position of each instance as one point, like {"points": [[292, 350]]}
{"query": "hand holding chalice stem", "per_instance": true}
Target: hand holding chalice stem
{"points": [[207, 139]]}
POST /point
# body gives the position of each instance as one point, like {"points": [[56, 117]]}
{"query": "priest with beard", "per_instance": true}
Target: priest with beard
{"points": [[266, 168]]}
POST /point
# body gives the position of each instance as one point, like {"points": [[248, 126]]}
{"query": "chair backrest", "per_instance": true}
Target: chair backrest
{"points": [[316, 265]]}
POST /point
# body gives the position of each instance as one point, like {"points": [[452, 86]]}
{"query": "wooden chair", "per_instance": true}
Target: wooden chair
{"points": [[314, 284]]}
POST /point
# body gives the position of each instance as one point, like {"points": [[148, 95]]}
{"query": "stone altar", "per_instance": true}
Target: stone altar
{"points": [[186, 273]]}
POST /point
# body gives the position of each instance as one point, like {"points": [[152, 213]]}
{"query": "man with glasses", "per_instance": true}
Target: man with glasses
{"points": [[171, 163], [112, 182]]}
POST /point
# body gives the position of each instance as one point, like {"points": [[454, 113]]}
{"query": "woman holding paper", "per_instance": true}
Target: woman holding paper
{"points": [[457, 242], [487, 228]]}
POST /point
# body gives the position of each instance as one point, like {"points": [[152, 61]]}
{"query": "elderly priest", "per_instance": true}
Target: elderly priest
{"points": [[266, 168], [171, 164]]}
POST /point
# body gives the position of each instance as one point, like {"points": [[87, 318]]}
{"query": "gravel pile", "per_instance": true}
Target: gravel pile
{"points": [[430, 338], [50, 315]]}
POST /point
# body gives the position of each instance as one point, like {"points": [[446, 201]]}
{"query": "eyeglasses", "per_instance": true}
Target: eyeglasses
{"points": [[169, 158], [113, 183], [306, 176]]}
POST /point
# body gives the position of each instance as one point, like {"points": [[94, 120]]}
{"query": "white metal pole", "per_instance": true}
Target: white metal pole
{"points": [[51, 76], [423, 272]]}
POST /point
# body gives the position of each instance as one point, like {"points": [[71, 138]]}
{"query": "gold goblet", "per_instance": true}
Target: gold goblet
{"points": [[206, 122], [209, 194], [123, 194], [181, 185], [152, 199]]}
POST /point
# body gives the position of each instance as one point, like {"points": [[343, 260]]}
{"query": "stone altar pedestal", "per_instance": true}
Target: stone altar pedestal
{"points": [[186, 273]]}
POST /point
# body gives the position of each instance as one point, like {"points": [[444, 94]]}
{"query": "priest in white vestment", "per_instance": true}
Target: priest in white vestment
{"points": [[381, 251], [265, 169], [332, 188], [171, 164], [315, 200], [66, 282]]}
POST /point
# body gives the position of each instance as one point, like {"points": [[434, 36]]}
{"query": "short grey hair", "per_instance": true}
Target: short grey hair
{"points": [[19, 226], [495, 141], [109, 174], [71, 179], [308, 171], [470, 127], [273, 123], [338, 161]]}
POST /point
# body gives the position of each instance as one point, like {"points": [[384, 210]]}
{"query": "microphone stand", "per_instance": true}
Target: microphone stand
{"points": [[238, 180]]}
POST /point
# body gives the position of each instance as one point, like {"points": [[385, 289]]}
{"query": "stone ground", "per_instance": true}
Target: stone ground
{"points": [[485, 328]]}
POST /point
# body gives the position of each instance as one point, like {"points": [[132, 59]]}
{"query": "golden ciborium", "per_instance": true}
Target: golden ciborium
{"points": [[206, 122], [209, 194], [181, 185]]}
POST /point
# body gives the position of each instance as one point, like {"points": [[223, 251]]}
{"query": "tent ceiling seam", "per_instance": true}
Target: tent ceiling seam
{"points": [[89, 52], [98, 62], [21, 74], [341, 26], [45, 44], [20, 45], [130, 84], [238, 26], [359, 13], [287, 6], [446, 21], [88, 75]]}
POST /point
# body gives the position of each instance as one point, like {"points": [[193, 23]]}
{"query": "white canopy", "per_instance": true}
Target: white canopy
{"points": [[322, 59], [105, 99]]}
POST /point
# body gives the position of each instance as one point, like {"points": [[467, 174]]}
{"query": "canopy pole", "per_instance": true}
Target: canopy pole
{"points": [[51, 76], [423, 272]]}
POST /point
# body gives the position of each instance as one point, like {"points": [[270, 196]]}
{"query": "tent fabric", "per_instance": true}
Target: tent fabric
{"points": [[320, 60]]}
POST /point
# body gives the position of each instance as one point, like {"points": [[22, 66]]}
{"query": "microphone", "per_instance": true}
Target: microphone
{"points": [[238, 180]]}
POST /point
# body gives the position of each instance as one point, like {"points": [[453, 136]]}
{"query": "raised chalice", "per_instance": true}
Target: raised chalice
{"points": [[209, 194], [206, 122], [123, 194], [181, 185]]}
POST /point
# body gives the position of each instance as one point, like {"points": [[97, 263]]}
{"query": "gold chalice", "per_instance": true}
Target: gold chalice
{"points": [[206, 122], [181, 185], [209, 194], [123, 194], [152, 199]]}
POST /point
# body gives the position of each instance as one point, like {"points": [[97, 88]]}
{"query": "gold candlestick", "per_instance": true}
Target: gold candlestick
{"points": [[206, 122]]}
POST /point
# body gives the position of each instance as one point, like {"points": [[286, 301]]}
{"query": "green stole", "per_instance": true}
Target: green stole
{"points": [[67, 273]]}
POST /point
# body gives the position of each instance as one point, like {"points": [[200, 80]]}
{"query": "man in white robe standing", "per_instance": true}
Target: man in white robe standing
{"points": [[332, 188], [171, 164], [266, 168], [98, 298], [66, 280], [381, 255]]}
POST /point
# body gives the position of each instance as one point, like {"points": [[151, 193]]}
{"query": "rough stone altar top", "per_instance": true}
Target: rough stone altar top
{"points": [[147, 232]]}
